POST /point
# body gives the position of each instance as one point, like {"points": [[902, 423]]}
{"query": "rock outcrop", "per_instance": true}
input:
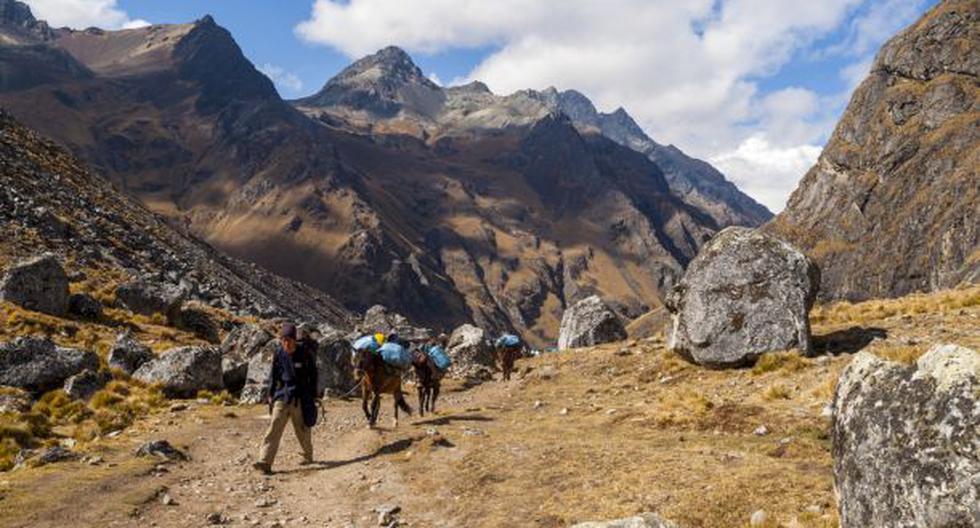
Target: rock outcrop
{"points": [[184, 371], [379, 319], [471, 352], [335, 372], [906, 446], [745, 294], [891, 206], [257, 375], [14, 400], [38, 284], [589, 322], [238, 348], [38, 365], [128, 354]]}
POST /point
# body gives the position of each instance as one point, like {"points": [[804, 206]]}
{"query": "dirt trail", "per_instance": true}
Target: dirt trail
{"points": [[353, 474]]}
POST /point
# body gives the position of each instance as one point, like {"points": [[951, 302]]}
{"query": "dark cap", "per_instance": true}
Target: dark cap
{"points": [[288, 330]]}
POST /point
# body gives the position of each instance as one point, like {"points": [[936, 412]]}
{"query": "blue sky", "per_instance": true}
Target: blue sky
{"points": [[753, 86]]}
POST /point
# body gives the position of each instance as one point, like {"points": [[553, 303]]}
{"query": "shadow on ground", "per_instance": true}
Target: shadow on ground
{"points": [[446, 420], [847, 341], [387, 449]]}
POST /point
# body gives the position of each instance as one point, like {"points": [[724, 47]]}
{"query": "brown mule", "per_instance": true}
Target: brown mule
{"points": [[377, 379], [505, 358], [428, 378]]}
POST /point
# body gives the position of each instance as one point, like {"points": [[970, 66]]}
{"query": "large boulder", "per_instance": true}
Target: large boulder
{"points": [[644, 520], [238, 348], [906, 441], [85, 306], [197, 321], [128, 354], [257, 374], [472, 355], [38, 284], [38, 365], [589, 322], [379, 319], [83, 385], [745, 294], [335, 372], [148, 298], [184, 371]]}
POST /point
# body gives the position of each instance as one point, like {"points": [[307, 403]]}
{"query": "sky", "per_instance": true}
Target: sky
{"points": [[752, 86]]}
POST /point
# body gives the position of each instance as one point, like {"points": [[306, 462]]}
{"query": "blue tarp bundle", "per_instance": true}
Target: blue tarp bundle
{"points": [[439, 357], [508, 340], [366, 343], [396, 355]]}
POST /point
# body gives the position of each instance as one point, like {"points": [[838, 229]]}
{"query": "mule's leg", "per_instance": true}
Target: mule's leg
{"points": [[394, 421], [375, 408], [433, 397], [365, 394], [422, 395]]}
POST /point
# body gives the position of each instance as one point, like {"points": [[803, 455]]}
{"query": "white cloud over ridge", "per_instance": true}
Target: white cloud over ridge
{"points": [[284, 80], [81, 14], [687, 71]]}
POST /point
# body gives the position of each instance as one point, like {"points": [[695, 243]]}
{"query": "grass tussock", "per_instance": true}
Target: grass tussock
{"points": [[908, 306], [777, 391], [220, 398], [780, 361], [902, 354]]}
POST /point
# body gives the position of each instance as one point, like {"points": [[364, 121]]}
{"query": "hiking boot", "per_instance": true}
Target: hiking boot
{"points": [[262, 467], [307, 462]]}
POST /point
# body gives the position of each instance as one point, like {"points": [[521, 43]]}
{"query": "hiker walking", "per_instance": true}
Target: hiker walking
{"points": [[292, 397]]}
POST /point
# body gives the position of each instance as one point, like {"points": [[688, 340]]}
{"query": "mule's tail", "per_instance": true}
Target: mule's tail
{"points": [[403, 405]]}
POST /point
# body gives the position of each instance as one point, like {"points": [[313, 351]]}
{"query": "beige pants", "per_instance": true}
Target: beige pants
{"points": [[282, 413]]}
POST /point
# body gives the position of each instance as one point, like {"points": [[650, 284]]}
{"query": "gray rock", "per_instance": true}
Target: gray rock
{"points": [[53, 455], [148, 298], [85, 306], [906, 447], [14, 400], [128, 354], [745, 294], [83, 385], [238, 348], [38, 365], [38, 284], [644, 520], [589, 322], [471, 353], [257, 375], [161, 449], [196, 321], [184, 371]]}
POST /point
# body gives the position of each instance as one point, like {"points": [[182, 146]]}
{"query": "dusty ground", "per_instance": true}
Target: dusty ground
{"points": [[594, 434]]}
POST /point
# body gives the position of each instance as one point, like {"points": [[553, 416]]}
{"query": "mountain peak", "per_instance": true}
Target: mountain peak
{"points": [[18, 25], [381, 83]]}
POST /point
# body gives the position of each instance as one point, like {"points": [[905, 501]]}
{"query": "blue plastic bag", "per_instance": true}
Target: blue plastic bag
{"points": [[396, 355], [508, 340], [439, 357], [366, 343]]}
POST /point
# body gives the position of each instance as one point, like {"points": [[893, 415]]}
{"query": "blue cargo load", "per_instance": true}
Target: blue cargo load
{"points": [[396, 355], [508, 340], [366, 343], [440, 358]]}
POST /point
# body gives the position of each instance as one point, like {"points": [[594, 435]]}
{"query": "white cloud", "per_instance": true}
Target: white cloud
{"points": [[82, 14], [283, 79], [687, 71], [435, 78], [759, 168]]}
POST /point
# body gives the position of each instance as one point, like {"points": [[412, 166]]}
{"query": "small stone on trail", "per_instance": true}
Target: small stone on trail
{"points": [[167, 500], [387, 514], [762, 430], [537, 404], [265, 502], [758, 518], [563, 411]]}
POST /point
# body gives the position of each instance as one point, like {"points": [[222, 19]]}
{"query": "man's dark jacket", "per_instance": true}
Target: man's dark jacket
{"points": [[294, 379]]}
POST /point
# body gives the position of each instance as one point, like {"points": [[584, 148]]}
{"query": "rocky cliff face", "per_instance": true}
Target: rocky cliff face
{"points": [[891, 206]]}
